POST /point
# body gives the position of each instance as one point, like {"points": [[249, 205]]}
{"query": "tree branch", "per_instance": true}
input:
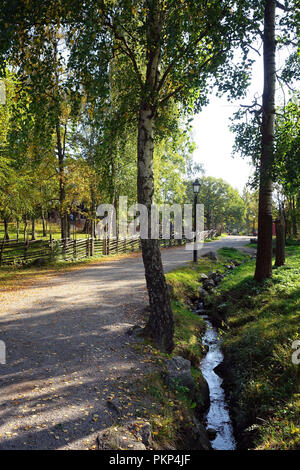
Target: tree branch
{"points": [[282, 7], [181, 54], [169, 95], [127, 50]]}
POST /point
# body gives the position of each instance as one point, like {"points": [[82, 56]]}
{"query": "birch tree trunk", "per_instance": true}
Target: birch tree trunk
{"points": [[264, 248], [160, 325], [62, 190]]}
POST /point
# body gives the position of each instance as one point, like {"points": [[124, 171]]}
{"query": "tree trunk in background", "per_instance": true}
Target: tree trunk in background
{"points": [[280, 240], [33, 229], [18, 230], [44, 224], [264, 248], [298, 210], [6, 235], [160, 325], [25, 227], [294, 218], [68, 225]]}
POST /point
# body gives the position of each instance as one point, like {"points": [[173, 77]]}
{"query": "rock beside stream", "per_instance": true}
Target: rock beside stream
{"points": [[179, 374], [208, 284], [198, 438], [133, 436], [202, 293]]}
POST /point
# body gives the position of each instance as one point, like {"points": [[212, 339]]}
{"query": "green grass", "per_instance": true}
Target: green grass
{"points": [[252, 245], [263, 322], [217, 237], [188, 332], [185, 281], [55, 229], [169, 411]]}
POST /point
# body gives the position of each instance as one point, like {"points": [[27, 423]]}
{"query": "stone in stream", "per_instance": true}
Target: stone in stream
{"points": [[202, 277], [199, 310], [221, 370], [208, 284], [198, 438], [202, 293], [211, 432], [216, 277]]}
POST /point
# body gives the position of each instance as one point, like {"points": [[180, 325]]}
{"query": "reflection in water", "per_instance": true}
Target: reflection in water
{"points": [[218, 415]]}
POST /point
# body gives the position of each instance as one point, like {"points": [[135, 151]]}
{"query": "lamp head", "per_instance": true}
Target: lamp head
{"points": [[196, 186]]}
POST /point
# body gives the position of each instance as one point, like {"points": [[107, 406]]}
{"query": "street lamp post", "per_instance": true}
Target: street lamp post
{"points": [[196, 189]]}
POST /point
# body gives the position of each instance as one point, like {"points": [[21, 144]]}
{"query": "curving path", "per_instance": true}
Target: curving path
{"points": [[68, 351]]}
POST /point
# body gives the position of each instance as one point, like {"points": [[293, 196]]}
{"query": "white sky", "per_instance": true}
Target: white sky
{"points": [[214, 143], [213, 138]]}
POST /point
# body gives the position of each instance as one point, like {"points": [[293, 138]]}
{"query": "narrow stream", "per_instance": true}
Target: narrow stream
{"points": [[218, 415]]}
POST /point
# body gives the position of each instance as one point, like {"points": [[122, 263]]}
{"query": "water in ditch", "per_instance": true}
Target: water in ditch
{"points": [[218, 415]]}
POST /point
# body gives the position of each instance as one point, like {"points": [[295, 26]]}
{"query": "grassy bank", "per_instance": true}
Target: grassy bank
{"points": [[263, 321], [171, 412]]}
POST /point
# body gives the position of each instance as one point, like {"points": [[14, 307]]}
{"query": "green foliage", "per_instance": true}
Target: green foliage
{"points": [[287, 153], [223, 206]]}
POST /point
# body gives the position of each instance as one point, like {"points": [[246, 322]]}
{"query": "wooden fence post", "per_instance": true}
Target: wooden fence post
{"points": [[92, 240], [2, 248], [26, 246]]}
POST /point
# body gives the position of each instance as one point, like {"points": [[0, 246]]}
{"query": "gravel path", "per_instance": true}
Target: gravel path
{"points": [[68, 351]]}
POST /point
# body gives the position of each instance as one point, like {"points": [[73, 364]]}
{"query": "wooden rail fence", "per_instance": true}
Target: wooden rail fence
{"points": [[28, 252]]}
